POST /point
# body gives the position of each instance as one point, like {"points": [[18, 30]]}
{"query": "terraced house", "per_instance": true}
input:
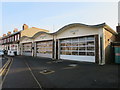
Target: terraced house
{"points": [[79, 42], [11, 40]]}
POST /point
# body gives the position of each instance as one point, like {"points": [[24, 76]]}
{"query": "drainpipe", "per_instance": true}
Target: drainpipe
{"points": [[21, 45], [32, 48], [54, 48], [99, 49], [58, 49], [35, 49], [103, 49]]}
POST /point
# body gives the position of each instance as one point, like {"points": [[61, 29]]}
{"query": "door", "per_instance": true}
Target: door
{"points": [[45, 49], [27, 49], [117, 54], [79, 49]]}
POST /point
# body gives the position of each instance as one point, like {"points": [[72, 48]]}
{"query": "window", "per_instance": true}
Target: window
{"points": [[14, 47], [7, 39], [18, 36], [12, 38], [90, 38], [90, 53], [15, 37], [82, 53]]}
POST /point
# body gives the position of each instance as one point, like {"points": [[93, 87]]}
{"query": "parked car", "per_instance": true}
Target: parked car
{"points": [[11, 53], [5, 52], [1, 53]]}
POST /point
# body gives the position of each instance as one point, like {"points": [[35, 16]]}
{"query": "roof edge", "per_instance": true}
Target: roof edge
{"points": [[80, 24]]}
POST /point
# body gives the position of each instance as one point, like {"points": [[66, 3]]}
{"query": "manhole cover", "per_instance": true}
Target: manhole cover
{"points": [[45, 71]]}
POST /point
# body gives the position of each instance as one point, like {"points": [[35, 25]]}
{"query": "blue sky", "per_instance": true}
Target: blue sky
{"points": [[54, 15]]}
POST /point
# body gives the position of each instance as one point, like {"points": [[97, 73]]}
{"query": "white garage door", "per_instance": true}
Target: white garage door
{"points": [[27, 49], [45, 49], [79, 49]]}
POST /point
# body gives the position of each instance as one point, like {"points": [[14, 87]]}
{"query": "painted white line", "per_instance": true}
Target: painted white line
{"points": [[34, 76]]}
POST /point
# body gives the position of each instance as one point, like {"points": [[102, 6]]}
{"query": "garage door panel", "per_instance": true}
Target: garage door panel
{"points": [[79, 48], [27, 53], [44, 49], [78, 58], [44, 55], [27, 49]]}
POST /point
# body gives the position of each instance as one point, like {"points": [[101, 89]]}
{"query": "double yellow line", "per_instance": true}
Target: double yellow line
{"points": [[2, 70]]}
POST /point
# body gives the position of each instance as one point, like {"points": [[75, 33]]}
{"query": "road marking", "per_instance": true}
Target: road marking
{"points": [[5, 65], [7, 71], [69, 67], [34, 76], [49, 72], [3, 70]]}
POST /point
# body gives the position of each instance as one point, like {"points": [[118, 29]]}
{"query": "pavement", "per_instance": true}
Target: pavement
{"points": [[81, 75]]}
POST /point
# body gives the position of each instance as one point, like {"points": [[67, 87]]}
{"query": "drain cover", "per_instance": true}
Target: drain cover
{"points": [[49, 62], [45, 71], [54, 61], [58, 61], [72, 65]]}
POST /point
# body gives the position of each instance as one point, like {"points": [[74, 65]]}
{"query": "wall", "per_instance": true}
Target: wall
{"points": [[109, 37], [77, 31], [43, 37], [26, 40]]}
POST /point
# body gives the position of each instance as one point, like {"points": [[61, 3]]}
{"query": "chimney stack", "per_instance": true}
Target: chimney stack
{"points": [[8, 33], [118, 29], [15, 30], [25, 26], [4, 35]]}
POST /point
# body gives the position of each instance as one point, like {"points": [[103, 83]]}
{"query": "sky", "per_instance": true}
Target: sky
{"points": [[54, 15], [119, 12]]}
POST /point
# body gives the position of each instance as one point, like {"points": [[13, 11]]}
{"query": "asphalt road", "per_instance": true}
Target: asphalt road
{"points": [[25, 72], [19, 76], [3, 60]]}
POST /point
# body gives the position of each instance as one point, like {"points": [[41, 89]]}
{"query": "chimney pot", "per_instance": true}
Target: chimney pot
{"points": [[15, 30], [8, 33], [25, 26], [4, 35]]}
